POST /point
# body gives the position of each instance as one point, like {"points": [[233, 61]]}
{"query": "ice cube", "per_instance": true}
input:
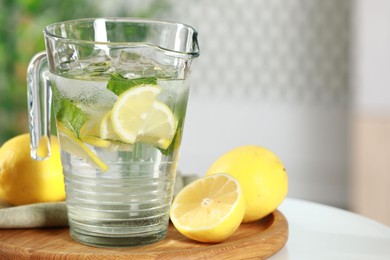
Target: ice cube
{"points": [[98, 64], [144, 61], [130, 63], [91, 96], [67, 57]]}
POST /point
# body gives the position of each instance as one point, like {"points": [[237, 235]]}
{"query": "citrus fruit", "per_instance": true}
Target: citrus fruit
{"points": [[262, 177], [91, 127], [99, 133], [24, 180], [106, 129], [209, 209], [137, 116], [71, 144], [95, 141]]}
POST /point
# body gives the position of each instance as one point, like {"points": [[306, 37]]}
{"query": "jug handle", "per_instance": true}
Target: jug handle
{"points": [[39, 106]]}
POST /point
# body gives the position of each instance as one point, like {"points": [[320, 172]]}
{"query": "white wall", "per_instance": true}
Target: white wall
{"points": [[370, 135], [272, 73], [372, 57]]}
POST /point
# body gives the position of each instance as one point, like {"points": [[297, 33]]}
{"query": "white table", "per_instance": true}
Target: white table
{"points": [[319, 232]]}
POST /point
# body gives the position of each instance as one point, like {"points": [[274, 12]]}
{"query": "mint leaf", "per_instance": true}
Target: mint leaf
{"points": [[70, 115], [66, 111], [119, 84]]}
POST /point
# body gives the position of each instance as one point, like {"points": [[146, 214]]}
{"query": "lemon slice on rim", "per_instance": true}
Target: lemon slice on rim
{"points": [[137, 116], [209, 209], [70, 143]]}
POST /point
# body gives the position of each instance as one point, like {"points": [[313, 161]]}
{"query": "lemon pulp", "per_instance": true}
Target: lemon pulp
{"points": [[210, 209], [138, 116]]}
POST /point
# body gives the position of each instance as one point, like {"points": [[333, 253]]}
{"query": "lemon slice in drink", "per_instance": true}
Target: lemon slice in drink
{"points": [[90, 134], [108, 134], [106, 129], [91, 128], [137, 116], [209, 209], [70, 143], [95, 141]]}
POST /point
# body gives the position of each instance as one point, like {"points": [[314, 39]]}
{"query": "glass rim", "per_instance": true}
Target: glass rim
{"points": [[48, 31]]}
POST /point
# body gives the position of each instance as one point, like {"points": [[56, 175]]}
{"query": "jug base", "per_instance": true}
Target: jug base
{"points": [[114, 242]]}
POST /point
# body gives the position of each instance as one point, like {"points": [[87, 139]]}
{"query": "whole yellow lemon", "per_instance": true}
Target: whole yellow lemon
{"points": [[24, 180], [261, 175]]}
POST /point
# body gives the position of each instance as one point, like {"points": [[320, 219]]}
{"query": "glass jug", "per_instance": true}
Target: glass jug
{"points": [[119, 88]]}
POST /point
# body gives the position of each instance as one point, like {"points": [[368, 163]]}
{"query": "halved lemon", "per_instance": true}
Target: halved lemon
{"points": [[209, 209], [138, 116], [70, 143], [262, 177]]}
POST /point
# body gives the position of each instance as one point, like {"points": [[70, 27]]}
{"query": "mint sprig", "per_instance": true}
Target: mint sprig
{"points": [[119, 84], [71, 116], [67, 112]]}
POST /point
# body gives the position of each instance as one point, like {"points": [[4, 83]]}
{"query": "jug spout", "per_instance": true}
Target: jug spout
{"points": [[194, 50]]}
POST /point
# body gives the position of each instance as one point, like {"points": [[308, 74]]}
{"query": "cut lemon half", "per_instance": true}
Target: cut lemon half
{"points": [[70, 143], [209, 209], [137, 116], [262, 177]]}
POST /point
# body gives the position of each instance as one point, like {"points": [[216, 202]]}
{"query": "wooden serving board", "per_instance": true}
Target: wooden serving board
{"points": [[258, 240]]}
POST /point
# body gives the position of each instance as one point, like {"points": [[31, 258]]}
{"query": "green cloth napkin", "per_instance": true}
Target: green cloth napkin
{"points": [[53, 214], [50, 214]]}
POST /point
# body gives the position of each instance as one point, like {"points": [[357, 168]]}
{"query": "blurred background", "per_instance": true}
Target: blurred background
{"points": [[307, 79]]}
